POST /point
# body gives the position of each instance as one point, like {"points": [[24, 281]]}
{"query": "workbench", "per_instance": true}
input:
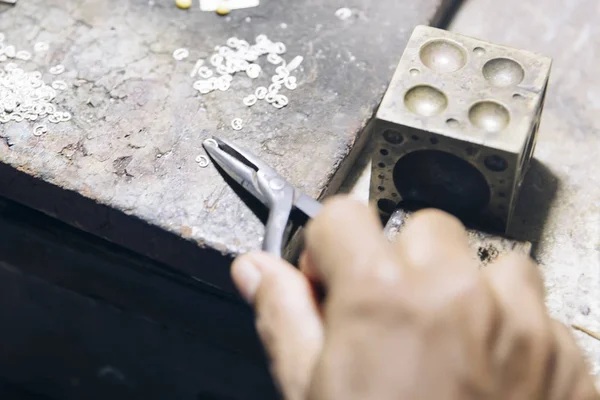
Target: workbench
{"points": [[155, 299], [124, 170]]}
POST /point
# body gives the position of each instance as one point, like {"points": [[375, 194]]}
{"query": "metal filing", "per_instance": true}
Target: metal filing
{"points": [[457, 127]]}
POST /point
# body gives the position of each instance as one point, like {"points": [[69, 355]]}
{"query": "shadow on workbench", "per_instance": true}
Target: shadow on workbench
{"points": [[206, 265], [538, 193], [85, 319]]}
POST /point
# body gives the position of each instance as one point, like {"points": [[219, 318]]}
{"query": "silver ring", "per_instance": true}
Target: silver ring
{"points": [[202, 161]]}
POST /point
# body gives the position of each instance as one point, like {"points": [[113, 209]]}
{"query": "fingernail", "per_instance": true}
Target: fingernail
{"points": [[246, 277]]}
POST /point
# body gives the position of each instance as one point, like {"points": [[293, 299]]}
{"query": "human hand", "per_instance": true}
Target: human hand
{"points": [[410, 320]]}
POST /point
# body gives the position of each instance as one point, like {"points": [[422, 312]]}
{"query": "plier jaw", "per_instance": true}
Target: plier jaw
{"points": [[265, 184]]}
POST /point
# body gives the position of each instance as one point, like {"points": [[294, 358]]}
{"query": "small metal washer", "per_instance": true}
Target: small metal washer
{"points": [[202, 161], [39, 130], [237, 124]]}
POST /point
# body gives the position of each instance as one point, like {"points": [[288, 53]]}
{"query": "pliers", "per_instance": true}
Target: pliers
{"points": [[265, 184]]}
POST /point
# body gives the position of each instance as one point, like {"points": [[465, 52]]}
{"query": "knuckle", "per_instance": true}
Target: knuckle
{"points": [[338, 208], [434, 218]]}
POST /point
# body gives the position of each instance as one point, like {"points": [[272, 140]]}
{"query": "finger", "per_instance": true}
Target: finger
{"points": [[432, 238], [524, 345], [346, 241], [287, 318]]}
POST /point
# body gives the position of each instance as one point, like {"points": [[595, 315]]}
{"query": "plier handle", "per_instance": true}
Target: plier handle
{"points": [[265, 184]]}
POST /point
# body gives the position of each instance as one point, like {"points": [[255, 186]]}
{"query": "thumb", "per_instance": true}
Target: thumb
{"points": [[287, 318]]}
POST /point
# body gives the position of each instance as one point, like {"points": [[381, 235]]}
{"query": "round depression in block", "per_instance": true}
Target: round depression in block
{"points": [[443, 56], [503, 72], [489, 116], [425, 100], [439, 179]]}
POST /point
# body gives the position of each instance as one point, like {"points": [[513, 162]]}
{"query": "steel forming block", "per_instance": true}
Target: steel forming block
{"points": [[457, 127]]}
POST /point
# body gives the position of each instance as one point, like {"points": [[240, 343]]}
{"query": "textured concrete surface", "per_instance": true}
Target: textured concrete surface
{"points": [[559, 206], [567, 239], [124, 167]]}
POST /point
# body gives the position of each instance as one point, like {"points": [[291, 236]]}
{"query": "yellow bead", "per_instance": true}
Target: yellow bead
{"points": [[223, 10], [183, 4]]}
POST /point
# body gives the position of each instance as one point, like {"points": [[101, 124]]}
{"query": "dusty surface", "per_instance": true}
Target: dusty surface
{"points": [[568, 245], [138, 124]]}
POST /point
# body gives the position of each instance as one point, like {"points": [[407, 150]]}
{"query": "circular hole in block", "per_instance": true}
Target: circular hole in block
{"points": [[381, 165], [495, 163], [414, 72], [393, 137], [434, 140], [489, 116], [415, 137], [384, 152], [452, 123], [386, 206], [503, 72], [518, 96], [425, 100], [443, 180], [381, 176], [479, 51], [443, 56], [380, 188], [502, 194]]}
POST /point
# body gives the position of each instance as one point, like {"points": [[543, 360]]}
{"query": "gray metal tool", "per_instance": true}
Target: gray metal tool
{"points": [[266, 185]]}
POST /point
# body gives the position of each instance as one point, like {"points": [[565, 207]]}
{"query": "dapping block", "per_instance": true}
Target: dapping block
{"points": [[457, 127]]}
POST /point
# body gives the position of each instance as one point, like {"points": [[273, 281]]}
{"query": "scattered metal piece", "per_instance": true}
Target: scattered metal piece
{"points": [[196, 68], [237, 124], [233, 42], [183, 4], [253, 71], [280, 48], [261, 92], [223, 85], [23, 55], [343, 13], [181, 54], [40, 47], [40, 130], [250, 100], [205, 72], [295, 63], [204, 87], [203, 161], [271, 97], [10, 51], [291, 83], [274, 58], [59, 85], [275, 87], [280, 101], [57, 69]]}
